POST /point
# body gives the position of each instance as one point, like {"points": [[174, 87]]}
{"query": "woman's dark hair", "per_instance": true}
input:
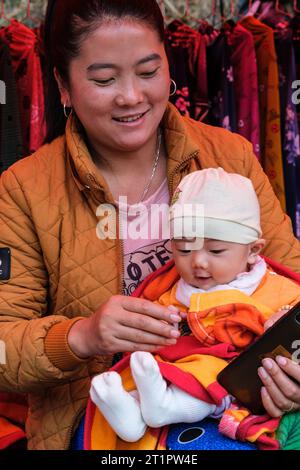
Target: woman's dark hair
{"points": [[67, 24]]}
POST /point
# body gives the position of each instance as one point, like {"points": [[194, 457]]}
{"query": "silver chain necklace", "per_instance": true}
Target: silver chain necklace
{"points": [[157, 155]]}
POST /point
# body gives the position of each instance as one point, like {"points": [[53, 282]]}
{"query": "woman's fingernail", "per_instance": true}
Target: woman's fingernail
{"points": [[174, 309], [175, 317], [175, 333], [267, 363], [268, 324], [171, 341], [263, 373], [282, 361]]}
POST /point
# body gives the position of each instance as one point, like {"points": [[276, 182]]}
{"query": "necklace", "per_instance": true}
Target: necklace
{"points": [[157, 155]]}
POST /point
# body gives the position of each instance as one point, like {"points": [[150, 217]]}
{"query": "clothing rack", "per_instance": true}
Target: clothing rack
{"points": [[217, 10], [28, 11]]}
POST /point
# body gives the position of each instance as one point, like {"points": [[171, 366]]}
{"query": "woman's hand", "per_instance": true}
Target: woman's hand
{"points": [[280, 393], [125, 324]]}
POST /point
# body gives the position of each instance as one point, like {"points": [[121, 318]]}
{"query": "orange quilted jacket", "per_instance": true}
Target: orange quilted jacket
{"points": [[60, 270]]}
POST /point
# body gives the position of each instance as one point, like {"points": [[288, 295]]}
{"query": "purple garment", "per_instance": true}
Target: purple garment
{"points": [[243, 60], [289, 124], [221, 85]]}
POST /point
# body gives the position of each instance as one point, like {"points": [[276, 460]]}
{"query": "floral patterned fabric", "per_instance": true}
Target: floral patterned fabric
{"points": [[221, 84], [269, 102], [243, 60], [182, 48], [187, 53], [289, 124]]}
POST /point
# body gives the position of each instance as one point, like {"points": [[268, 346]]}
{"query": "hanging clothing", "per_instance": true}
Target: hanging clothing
{"points": [[295, 25], [270, 136], [243, 60], [289, 124], [11, 145], [23, 46], [221, 84], [187, 58]]}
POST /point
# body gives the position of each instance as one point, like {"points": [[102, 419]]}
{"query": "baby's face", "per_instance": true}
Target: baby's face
{"points": [[217, 262]]}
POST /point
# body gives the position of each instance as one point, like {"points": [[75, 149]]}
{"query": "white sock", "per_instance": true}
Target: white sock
{"points": [[120, 408], [162, 404]]}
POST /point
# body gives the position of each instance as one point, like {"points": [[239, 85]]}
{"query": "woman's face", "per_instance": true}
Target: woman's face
{"points": [[119, 85]]}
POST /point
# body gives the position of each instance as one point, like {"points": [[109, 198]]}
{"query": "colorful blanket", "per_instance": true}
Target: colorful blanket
{"points": [[193, 366], [196, 374]]}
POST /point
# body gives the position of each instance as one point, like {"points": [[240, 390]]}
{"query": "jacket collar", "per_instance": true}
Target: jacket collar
{"points": [[180, 147]]}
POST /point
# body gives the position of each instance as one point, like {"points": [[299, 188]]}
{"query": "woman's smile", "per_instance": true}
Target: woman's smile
{"points": [[132, 119]]}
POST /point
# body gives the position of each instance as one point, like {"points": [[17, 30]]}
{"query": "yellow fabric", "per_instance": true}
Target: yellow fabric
{"points": [[213, 299], [273, 293], [61, 269], [232, 318], [269, 103]]}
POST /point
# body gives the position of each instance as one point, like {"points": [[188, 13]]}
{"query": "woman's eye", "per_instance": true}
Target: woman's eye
{"points": [[184, 252], [149, 74], [104, 82]]}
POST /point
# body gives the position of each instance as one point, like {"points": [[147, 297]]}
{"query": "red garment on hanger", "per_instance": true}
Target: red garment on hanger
{"points": [[181, 35], [243, 59], [23, 43]]}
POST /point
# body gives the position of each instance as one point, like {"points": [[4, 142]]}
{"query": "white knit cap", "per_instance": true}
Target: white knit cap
{"points": [[226, 205]]}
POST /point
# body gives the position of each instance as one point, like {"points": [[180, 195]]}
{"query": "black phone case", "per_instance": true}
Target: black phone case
{"points": [[240, 377], [4, 264]]}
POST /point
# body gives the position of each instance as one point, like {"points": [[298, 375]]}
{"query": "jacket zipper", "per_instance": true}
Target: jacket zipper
{"points": [[192, 155], [121, 252], [72, 429]]}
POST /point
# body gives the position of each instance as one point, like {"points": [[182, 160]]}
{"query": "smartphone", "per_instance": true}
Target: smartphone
{"points": [[240, 377], [5, 256]]}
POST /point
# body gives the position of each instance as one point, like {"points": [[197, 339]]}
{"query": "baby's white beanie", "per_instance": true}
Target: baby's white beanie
{"points": [[226, 206]]}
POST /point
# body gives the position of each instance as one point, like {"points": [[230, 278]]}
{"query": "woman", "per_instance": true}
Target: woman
{"points": [[62, 309]]}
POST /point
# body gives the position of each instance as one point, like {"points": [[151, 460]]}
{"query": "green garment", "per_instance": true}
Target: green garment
{"points": [[288, 433]]}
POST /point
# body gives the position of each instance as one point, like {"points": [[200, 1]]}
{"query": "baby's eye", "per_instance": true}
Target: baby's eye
{"points": [[217, 252]]}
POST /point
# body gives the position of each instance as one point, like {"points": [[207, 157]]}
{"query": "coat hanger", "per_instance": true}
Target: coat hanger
{"points": [[296, 10], [266, 8], [188, 16], [4, 20], [162, 7], [253, 8], [230, 16], [175, 12], [279, 10], [29, 20]]}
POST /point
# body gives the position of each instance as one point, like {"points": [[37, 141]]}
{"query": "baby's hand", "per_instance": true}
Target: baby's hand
{"points": [[183, 315], [274, 318]]}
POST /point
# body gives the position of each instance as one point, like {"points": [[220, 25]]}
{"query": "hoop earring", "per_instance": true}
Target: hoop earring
{"points": [[175, 87], [65, 111]]}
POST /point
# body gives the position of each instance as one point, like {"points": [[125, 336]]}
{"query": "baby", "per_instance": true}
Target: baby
{"points": [[214, 251]]}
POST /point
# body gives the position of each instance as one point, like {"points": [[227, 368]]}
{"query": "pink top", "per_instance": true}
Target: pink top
{"points": [[146, 238]]}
